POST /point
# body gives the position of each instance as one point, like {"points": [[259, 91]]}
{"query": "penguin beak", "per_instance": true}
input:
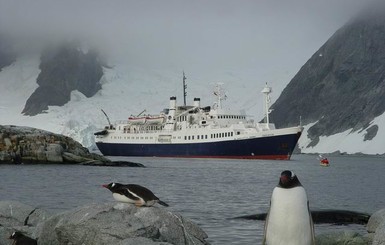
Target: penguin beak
{"points": [[105, 186]]}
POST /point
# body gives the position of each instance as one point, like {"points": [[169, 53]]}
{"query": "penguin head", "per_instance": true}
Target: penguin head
{"points": [[15, 235], [288, 179], [112, 186]]}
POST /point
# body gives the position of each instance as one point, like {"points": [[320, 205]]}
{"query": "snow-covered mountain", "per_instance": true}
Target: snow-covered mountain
{"points": [[127, 88], [339, 92]]}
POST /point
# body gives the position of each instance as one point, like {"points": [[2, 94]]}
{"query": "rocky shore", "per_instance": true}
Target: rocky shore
{"points": [[99, 224], [125, 224], [25, 145]]}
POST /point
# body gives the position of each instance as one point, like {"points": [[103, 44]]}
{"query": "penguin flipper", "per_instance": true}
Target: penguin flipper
{"points": [[266, 224], [311, 225]]}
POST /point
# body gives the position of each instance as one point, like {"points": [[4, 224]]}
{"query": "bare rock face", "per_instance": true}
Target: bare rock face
{"points": [[64, 69], [112, 223]]}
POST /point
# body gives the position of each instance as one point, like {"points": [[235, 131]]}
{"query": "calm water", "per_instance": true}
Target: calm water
{"points": [[209, 192]]}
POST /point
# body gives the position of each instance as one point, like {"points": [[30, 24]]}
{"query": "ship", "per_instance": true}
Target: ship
{"points": [[195, 131]]}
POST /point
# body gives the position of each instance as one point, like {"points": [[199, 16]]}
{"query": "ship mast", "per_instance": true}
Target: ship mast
{"points": [[220, 95], [267, 90], [184, 89]]}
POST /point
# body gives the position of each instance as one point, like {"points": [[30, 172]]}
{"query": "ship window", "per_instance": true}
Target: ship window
{"points": [[185, 138], [206, 136], [238, 133], [197, 137], [231, 134], [201, 136], [189, 137], [192, 137]]}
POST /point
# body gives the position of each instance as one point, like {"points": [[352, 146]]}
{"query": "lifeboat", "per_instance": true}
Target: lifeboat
{"points": [[137, 120], [154, 119]]}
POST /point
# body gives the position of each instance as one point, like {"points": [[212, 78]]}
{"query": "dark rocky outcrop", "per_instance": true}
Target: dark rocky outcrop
{"points": [[342, 85], [30, 145], [337, 217], [63, 70]]}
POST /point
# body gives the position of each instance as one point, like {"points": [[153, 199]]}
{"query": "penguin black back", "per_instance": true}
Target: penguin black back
{"points": [[133, 193]]}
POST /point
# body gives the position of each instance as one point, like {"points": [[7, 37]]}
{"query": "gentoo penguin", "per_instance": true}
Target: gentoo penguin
{"points": [[289, 220], [21, 239], [136, 194]]}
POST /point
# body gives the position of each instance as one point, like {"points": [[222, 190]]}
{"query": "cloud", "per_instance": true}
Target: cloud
{"points": [[209, 34]]}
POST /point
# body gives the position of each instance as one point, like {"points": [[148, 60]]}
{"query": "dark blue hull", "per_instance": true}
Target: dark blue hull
{"points": [[272, 147]]}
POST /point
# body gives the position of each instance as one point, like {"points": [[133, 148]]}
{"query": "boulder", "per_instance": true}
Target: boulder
{"points": [[376, 220], [16, 216], [376, 225], [120, 223], [379, 236], [342, 238]]}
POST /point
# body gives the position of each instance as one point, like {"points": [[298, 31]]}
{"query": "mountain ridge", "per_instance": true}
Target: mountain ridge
{"points": [[341, 86]]}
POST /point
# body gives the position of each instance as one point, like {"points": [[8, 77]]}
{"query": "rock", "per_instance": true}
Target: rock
{"points": [[379, 236], [113, 164], [112, 223], [16, 216], [338, 217], [376, 220], [376, 224], [54, 153], [341, 238], [30, 145]]}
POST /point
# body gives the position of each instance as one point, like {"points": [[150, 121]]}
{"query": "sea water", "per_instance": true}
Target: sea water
{"points": [[210, 192]]}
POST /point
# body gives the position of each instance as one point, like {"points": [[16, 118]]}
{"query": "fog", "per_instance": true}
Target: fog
{"points": [[265, 36]]}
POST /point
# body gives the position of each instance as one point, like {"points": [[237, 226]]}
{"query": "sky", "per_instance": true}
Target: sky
{"points": [[262, 35]]}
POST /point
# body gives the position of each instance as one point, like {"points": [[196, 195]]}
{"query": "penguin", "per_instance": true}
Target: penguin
{"points": [[289, 220], [136, 194], [21, 239]]}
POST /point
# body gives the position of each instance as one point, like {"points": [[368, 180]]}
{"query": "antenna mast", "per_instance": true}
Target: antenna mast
{"points": [[267, 90], [184, 89]]}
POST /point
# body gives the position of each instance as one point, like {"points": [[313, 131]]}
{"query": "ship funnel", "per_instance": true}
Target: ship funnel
{"points": [[171, 113], [172, 103], [197, 102]]}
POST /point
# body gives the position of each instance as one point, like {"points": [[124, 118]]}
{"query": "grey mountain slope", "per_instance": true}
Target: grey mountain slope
{"points": [[342, 86], [63, 70]]}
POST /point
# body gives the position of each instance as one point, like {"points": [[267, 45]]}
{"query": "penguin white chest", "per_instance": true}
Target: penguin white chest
{"points": [[122, 198], [289, 220]]}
